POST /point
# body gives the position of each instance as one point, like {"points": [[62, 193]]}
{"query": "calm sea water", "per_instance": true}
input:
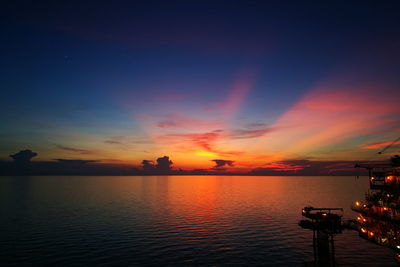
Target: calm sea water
{"points": [[174, 220]]}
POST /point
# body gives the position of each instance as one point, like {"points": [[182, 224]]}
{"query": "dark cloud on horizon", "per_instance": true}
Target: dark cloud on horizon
{"points": [[148, 165], [163, 164], [220, 164], [23, 156], [307, 167]]}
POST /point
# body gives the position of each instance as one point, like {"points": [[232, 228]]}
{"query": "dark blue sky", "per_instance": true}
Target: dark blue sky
{"points": [[78, 73]]}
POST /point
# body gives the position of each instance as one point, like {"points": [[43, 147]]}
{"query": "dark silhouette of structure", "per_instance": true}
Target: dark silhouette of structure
{"points": [[395, 160], [324, 225], [379, 215]]}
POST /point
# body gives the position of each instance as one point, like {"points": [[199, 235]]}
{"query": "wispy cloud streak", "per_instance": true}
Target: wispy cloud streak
{"points": [[75, 150]]}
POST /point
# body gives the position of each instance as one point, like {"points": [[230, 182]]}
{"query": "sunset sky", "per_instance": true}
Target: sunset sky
{"points": [[255, 82]]}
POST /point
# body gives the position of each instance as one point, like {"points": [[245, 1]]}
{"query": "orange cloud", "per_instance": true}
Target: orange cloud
{"points": [[206, 141], [378, 145]]}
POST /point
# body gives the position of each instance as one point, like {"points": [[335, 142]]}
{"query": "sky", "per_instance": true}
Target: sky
{"points": [[256, 84]]}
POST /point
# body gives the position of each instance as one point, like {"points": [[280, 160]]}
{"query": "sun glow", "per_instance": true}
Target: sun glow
{"points": [[204, 153]]}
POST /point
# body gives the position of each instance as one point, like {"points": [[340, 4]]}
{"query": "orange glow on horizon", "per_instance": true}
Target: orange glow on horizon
{"points": [[327, 123]]}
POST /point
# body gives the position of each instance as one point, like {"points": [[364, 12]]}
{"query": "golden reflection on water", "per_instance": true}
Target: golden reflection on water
{"points": [[201, 219], [198, 194]]}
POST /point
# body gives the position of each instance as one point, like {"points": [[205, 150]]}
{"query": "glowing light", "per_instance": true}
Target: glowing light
{"points": [[358, 203], [371, 234], [389, 178], [360, 218], [363, 230]]}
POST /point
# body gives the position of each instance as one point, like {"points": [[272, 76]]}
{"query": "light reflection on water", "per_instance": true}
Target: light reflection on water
{"points": [[169, 220]]}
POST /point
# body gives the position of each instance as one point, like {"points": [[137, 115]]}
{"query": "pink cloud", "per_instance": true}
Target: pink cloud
{"points": [[237, 95], [337, 113], [280, 166]]}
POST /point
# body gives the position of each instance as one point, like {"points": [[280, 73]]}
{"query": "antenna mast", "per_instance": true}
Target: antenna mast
{"points": [[387, 147]]}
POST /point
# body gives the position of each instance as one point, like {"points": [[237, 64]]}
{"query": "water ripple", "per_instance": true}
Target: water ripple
{"points": [[169, 221]]}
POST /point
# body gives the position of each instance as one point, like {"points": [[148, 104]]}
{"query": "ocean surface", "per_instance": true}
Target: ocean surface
{"points": [[174, 220]]}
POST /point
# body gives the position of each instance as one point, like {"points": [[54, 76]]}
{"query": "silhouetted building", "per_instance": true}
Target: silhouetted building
{"points": [[379, 214]]}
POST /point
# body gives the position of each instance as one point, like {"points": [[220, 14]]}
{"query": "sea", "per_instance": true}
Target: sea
{"points": [[175, 221]]}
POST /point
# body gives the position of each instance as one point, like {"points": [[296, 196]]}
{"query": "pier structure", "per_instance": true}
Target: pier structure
{"points": [[325, 224]]}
